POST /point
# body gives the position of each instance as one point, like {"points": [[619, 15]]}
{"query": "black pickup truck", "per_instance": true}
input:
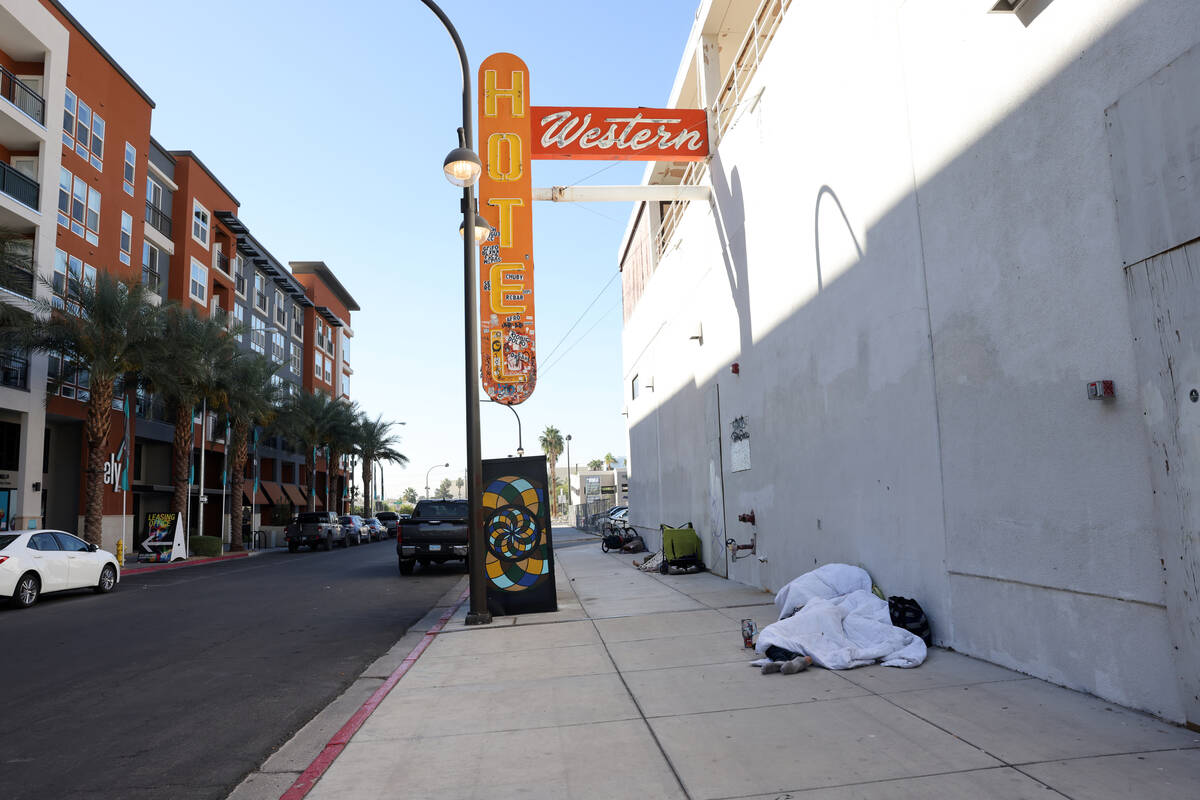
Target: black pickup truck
{"points": [[435, 533]]}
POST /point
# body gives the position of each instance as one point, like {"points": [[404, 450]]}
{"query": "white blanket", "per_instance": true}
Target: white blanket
{"points": [[829, 581], [850, 629]]}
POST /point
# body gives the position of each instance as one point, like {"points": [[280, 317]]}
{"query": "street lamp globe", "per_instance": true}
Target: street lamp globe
{"points": [[462, 167], [483, 229]]}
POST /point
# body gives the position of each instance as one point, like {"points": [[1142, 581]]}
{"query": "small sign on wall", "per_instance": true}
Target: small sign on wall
{"points": [[739, 452]]}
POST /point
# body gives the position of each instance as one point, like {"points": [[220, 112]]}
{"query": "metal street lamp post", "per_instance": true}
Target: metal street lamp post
{"points": [[568, 476], [428, 496], [520, 447], [462, 168]]}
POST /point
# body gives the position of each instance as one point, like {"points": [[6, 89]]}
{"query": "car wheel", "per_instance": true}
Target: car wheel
{"points": [[27, 590], [293, 547], [406, 566], [108, 579]]}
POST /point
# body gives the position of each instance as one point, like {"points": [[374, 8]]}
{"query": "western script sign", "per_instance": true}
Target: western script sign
{"points": [[511, 134], [620, 134]]}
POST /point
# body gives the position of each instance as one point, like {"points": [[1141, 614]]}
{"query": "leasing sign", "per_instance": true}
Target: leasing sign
{"points": [[512, 133]]}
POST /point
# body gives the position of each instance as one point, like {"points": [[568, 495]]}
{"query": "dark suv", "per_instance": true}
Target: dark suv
{"points": [[390, 520]]}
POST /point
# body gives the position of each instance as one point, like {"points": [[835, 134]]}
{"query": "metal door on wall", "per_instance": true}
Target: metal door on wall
{"points": [[1164, 301], [718, 560]]}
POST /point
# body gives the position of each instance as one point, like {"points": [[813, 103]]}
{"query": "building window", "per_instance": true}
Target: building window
{"points": [[346, 385], [277, 352], [239, 275], [200, 221], [345, 348], [69, 271], [130, 162], [68, 379], [198, 286], [97, 157], [150, 266], [83, 129], [298, 324], [68, 135], [93, 216], [126, 238], [72, 202], [328, 369], [154, 193], [260, 292], [258, 335], [280, 310], [297, 365]]}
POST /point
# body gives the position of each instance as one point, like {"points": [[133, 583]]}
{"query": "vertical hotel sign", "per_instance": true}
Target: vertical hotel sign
{"points": [[507, 358]]}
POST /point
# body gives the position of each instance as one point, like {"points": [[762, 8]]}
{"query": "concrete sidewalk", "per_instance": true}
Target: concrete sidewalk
{"points": [[638, 687]]}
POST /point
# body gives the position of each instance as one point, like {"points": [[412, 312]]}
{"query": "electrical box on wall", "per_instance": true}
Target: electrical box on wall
{"points": [[1101, 390]]}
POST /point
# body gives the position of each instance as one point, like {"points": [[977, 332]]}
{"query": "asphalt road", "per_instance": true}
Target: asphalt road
{"points": [[183, 681]]}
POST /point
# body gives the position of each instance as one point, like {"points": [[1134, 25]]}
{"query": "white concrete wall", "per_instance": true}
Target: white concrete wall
{"points": [[916, 308]]}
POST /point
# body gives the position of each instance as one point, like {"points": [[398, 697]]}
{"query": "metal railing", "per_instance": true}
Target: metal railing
{"points": [[24, 189], [17, 279], [158, 219], [729, 99], [21, 96], [222, 262], [14, 370]]}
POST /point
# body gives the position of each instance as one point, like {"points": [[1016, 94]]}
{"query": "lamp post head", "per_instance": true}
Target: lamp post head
{"points": [[520, 452], [483, 229], [462, 167]]}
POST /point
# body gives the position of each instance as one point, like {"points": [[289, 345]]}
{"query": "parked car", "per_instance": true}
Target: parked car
{"points": [[354, 528], [33, 563], [436, 533], [389, 520], [375, 529], [315, 529]]}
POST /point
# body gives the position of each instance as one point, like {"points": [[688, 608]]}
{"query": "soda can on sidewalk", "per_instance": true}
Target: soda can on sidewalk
{"points": [[749, 631]]}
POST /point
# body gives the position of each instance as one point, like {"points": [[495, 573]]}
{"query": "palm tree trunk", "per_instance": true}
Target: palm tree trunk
{"points": [[310, 461], [237, 480], [182, 458], [96, 428], [366, 484], [553, 487]]}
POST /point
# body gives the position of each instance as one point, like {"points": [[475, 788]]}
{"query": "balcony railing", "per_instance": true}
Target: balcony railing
{"points": [[14, 370], [18, 186], [21, 96], [16, 278], [158, 219], [222, 262]]}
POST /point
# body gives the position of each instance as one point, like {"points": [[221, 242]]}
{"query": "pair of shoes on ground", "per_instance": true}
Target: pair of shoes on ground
{"points": [[797, 664]]}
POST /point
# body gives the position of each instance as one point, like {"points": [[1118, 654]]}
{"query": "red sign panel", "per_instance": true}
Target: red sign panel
{"points": [[620, 134], [508, 362]]}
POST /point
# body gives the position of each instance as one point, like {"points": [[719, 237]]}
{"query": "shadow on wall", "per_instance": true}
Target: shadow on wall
{"points": [[821, 193], [729, 211]]}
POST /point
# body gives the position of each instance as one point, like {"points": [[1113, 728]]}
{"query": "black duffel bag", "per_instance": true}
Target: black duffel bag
{"points": [[907, 613]]}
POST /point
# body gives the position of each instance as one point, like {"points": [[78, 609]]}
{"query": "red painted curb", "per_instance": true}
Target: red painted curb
{"points": [[324, 760], [195, 562]]}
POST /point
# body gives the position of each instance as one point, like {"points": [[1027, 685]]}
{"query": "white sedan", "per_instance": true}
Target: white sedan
{"points": [[33, 563]]}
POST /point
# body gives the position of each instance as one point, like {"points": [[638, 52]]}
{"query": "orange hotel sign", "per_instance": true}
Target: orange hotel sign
{"points": [[512, 133]]}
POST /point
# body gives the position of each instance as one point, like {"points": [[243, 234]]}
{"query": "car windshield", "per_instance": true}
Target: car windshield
{"points": [[345, 520], [312, 516], [383, 515], [6, 539]]}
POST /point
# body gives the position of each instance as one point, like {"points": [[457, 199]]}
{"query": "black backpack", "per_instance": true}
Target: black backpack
{"points": [[907, 613]]}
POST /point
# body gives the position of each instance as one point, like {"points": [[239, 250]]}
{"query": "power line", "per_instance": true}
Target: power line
{"points": [[581, 316], [601, 318]]}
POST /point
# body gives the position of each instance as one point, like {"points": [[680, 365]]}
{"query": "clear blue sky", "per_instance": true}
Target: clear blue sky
{"points": [[329, 123]]}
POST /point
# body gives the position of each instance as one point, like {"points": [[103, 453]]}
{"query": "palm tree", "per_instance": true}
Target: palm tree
{"points": [[459, 484], [552, 445], [376, 442], [341, 438], [189, 366], [109, 329], [253, 399], [595, 464], [609, 460], [307, 420]]}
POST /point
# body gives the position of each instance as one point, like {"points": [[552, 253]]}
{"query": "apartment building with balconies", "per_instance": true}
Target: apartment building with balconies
{"points": [[33, 69], [327, 329]]}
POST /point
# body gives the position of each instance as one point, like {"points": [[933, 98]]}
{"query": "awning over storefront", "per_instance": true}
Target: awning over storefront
{"points": [[294, 494], [273, 491], [259, 500]]}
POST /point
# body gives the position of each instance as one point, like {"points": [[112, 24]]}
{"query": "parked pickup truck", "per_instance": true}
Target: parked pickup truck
{"points": [[315, 529], [435, 533]]}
